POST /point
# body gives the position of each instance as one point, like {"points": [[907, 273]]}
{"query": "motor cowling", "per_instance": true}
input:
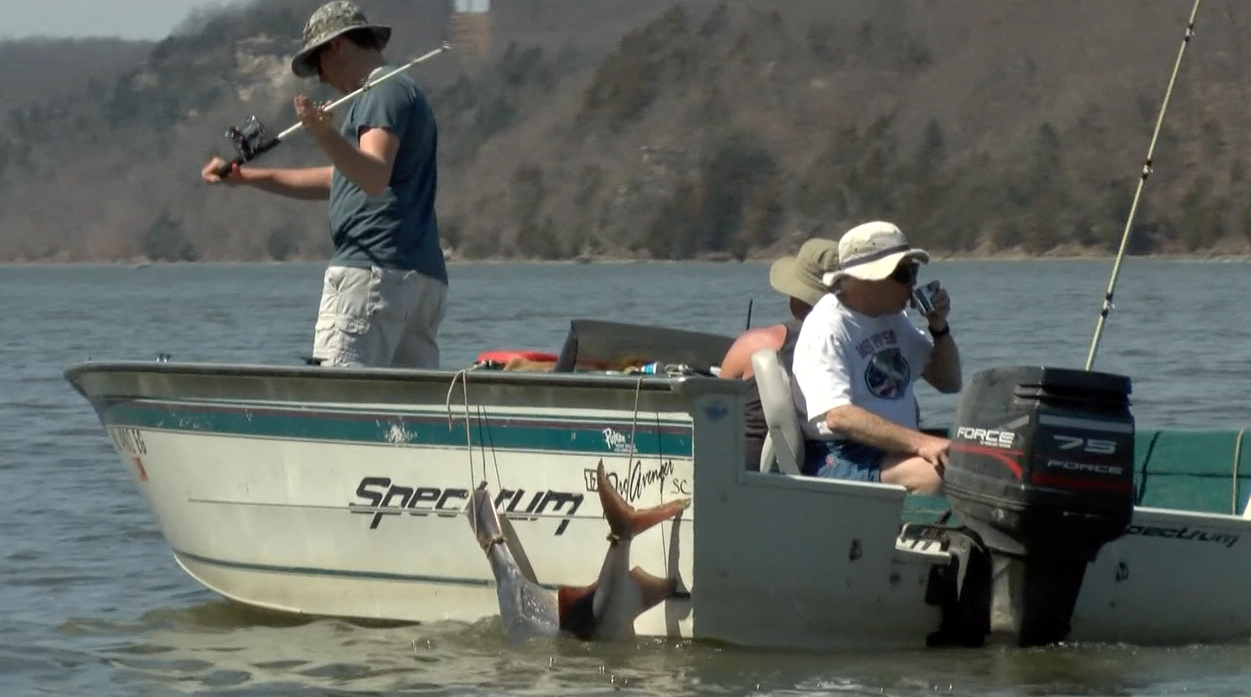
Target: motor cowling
{"points": [[1041, 470]]}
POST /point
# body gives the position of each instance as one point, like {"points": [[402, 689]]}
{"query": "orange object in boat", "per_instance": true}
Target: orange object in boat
{"points": [[506, 355]]}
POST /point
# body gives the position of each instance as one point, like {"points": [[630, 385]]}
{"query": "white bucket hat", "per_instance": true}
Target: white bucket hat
{"points": [[871, 252]]}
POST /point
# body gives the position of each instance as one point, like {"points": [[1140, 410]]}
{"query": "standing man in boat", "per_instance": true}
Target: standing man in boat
{"points": [[857, 359], [799, 279], [384, 291]]}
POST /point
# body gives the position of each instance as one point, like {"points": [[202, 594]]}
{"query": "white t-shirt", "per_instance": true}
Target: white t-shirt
{"points": [[843, 357]]}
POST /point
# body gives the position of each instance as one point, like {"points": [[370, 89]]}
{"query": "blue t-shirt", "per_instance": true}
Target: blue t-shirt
{"points": [[396, 229]]}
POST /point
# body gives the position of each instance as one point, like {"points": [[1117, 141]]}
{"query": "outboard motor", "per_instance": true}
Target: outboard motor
{"points": [[1041, 469]]}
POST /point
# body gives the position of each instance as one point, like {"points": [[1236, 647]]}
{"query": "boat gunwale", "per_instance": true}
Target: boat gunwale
{"points": [[691, 386]]}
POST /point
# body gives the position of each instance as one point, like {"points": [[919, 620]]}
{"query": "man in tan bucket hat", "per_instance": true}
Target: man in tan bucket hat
{"points": [[383, 292], [856, 361], [799, 279]]}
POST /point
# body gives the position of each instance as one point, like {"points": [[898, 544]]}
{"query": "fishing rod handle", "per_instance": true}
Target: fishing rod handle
{"points": [[225, 169], [264, 147]]}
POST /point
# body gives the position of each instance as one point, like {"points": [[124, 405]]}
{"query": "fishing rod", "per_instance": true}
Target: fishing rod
{"points": [[1142, 182], [251, 140]]}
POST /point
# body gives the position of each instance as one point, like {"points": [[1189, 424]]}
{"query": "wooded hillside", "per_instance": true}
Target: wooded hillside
{"points": [[666, 130]]}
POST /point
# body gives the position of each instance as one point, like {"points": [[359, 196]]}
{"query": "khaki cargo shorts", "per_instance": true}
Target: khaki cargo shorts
{"points": [[379, 318]]}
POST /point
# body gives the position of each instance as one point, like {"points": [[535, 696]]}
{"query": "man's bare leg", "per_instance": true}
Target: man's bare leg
{"points": [[913, 473]]}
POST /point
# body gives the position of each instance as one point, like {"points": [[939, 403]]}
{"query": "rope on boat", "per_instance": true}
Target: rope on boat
{"points": [[660, 459], [463, 376], [1142, 182], [486, 440], [634, 427], [634, 450]]}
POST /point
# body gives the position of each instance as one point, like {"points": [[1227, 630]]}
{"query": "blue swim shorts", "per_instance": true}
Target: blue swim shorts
{"points": [[843, 459]]}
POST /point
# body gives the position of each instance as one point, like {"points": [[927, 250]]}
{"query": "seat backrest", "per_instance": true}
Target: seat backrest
{"points": [[784, 443]]}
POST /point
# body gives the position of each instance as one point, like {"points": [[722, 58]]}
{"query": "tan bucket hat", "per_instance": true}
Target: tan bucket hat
{"points": [[800, 276]]}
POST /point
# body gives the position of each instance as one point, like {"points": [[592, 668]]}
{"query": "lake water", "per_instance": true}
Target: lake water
{"points": [[92, 603]]}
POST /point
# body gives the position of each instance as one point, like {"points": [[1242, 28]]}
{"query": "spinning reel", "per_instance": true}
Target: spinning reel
{"points": [[250, 140]]}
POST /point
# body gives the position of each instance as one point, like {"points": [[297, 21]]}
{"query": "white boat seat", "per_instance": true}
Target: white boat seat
{"points": [[784, 442]]}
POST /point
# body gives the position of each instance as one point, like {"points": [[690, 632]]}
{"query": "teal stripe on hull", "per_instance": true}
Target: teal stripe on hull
{"points": [[489, 432]]}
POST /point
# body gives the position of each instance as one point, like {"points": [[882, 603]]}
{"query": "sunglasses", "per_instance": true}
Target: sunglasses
{"points": [[905, 274]]}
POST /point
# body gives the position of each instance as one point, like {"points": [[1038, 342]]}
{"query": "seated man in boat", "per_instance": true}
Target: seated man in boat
{"points": [[857, 359], [799, 279]]}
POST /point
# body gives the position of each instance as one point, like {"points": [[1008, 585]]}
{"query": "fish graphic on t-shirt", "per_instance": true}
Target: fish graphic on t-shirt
{"points": [[887, 374]]}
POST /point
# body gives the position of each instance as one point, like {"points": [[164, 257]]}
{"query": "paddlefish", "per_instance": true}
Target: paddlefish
{"points": [[603, 610]]}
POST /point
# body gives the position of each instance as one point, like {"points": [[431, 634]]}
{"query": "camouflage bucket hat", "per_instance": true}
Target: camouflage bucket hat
{"points": [[331, 20]]}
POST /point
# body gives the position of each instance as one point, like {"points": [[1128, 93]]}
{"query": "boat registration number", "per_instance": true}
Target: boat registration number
{"points": [[128, 441]]}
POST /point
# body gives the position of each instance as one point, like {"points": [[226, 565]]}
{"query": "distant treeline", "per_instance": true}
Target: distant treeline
{"points": [[703, 129]]}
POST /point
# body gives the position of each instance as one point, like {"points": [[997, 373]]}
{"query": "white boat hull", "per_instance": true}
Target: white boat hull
{"points": [[343, 494]]}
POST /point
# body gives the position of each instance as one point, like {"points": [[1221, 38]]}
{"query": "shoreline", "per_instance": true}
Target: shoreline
{"points": [[934, 257]]}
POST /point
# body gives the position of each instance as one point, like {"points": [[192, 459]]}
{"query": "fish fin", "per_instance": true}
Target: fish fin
{"points": [[623, 520], [514, 546], [653, 589], [576, 610]]}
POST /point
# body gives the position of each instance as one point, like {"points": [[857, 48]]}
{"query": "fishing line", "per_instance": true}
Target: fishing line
{"points": [[1142, 182]]}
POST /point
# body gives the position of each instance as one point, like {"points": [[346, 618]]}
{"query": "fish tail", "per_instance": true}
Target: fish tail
{"points": [[623, 520]]}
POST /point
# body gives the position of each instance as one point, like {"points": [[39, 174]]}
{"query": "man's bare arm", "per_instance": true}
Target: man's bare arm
{"points": [[310, 184], [737, 362], [368, 165], [863, 426], [943, 370]]}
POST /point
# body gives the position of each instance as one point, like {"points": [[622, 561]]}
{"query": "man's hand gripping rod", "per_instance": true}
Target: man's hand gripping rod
{"points": [[251, 141]]}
